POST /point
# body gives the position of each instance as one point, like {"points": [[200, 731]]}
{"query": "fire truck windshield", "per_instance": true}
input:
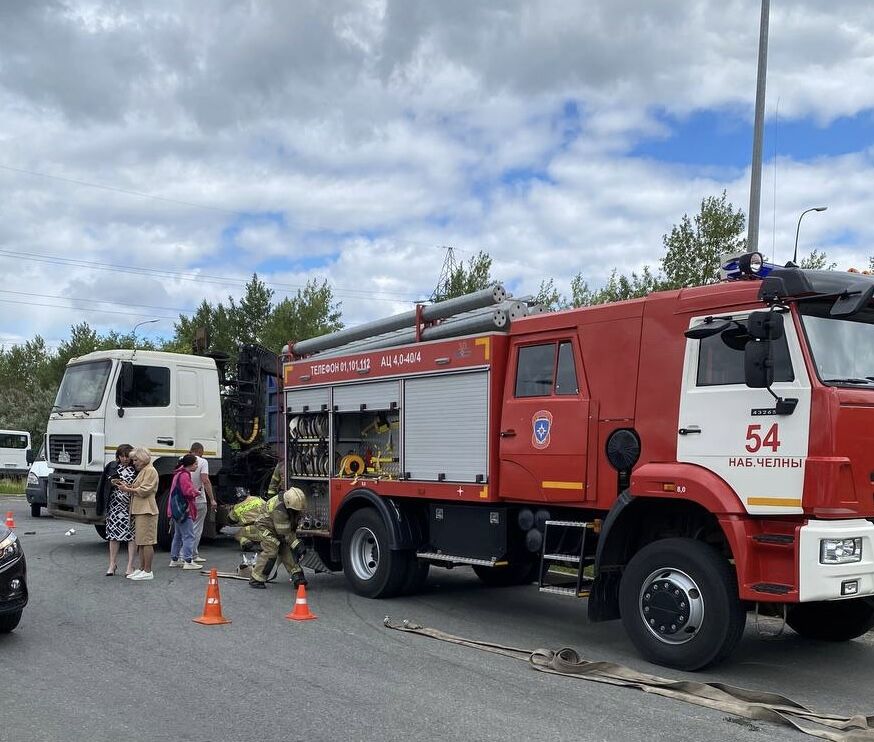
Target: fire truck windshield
{"points": [[82, 387], [842, 347]]}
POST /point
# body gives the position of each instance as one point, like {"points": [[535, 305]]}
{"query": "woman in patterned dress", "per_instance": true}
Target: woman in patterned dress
{"points": [[118, 524]]}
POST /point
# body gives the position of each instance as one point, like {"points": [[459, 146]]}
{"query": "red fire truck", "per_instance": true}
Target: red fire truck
{"points": [[678, 460]]}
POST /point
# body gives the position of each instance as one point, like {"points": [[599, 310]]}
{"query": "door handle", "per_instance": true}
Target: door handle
{"points": [[689, 431], [165, 441], [508, 433]]}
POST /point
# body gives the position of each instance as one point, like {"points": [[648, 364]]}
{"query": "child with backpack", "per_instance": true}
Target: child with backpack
{"points": [[182, 510]]}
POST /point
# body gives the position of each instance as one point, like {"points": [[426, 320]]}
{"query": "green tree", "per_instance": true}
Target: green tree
{"points": [[694, 246], [465, 279], [309, 313], [817, 261]]}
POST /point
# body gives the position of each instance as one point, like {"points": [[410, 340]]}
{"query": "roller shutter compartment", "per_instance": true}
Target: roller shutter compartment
{"points": [[446, 427], [308, 400], [380, 395]]}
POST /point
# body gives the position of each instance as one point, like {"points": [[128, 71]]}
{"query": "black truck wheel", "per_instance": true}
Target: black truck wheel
{"points": [[832, 620], [515, 573], [165, 535], [416, 576], [8, 621], [35, 510], [373, 570], [679, 604]]}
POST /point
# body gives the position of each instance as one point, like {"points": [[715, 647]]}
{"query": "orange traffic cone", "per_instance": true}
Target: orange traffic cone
{"points": [[10, 521], [301, 610], [212, 609]]}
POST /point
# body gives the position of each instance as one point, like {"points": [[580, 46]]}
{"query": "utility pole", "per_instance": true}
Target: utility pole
{"points": [[758, 132]]}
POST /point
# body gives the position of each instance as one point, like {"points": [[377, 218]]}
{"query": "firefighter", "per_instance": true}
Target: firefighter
{"points": [[277, 532], [277, 481], [246, 513]]}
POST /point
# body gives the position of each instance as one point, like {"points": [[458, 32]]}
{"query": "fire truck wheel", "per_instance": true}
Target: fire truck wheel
{"points": [[101, 530], [517, 573], [372, 568], [832, 621], [679, 604], [416, 577], [35, 510]]}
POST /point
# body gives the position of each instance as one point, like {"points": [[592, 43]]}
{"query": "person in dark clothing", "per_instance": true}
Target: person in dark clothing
{"points": [[118, 524]]}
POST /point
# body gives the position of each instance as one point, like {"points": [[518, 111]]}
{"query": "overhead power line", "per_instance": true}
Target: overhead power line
{"points": [[196, 277], [98, 301], [180, 202]]}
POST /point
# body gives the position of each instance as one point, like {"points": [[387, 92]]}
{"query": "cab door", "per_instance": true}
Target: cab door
{"points": [[734, 431], [544, 422], [144, 409]]}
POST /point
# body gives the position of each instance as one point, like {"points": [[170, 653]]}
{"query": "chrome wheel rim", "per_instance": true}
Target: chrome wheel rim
{"points": [[364, 553], [671, 606]]}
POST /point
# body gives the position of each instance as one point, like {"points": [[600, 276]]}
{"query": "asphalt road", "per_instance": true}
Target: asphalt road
{"points": [[102, 658]]}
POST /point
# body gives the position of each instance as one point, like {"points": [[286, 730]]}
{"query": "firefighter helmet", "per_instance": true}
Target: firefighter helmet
{"points": [[294, 499]]}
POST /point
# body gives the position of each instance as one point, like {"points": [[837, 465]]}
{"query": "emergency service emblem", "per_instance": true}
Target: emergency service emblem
{"points": [[541, 425]]}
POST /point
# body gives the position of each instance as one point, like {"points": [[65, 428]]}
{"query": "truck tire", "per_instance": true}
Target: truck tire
{"points": [[165, 535], [101, 530], [832, 621], [516, 573], [35, 510], [416, 577], [8, 621], [679, 604], [372, 568]]}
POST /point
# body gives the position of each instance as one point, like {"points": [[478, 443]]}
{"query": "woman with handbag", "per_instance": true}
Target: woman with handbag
{"points": [[182, 511]]}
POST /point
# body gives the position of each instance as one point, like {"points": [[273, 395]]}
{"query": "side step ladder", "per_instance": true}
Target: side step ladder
{"points": [[565, 557]]}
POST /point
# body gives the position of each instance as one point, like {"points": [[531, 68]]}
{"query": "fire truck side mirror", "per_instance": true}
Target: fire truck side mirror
{"points": [[765, 325], [758, 365], [30, 457]]}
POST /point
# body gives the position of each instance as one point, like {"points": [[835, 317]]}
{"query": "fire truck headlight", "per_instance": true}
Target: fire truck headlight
{"points": [[750, 264], [840, 550]]}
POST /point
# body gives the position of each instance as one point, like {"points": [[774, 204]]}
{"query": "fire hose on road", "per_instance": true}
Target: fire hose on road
{"points": [[744, 702]]}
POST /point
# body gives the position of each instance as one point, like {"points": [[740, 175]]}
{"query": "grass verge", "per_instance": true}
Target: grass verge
{"points": [[12, 486]]}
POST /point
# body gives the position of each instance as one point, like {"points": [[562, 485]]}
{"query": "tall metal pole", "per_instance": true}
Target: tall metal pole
{"points": [[758, 132]]}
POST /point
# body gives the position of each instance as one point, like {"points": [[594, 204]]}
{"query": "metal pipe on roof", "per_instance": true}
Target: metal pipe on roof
{"points": [[430, 313]]}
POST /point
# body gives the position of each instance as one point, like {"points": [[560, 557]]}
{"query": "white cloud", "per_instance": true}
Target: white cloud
{"points": [[359, 137]]}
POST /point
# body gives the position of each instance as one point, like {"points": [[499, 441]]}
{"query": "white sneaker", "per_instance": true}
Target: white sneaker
{"points": [[143, 576], [199, 559], [133, 574], [190, 565], [176, 563]]}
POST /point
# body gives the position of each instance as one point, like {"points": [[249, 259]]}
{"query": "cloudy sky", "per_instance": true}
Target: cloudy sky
{"points": [[153, 154]]}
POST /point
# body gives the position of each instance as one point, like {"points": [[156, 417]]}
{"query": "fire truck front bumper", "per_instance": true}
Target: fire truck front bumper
{"points": [[835, 560]]}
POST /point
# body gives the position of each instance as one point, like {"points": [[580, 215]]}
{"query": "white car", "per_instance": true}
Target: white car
{"points": [[37, 483]]}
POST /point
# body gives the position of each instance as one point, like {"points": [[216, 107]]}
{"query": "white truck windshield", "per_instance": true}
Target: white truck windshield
{"points": [[842, 347], [82, 387]]}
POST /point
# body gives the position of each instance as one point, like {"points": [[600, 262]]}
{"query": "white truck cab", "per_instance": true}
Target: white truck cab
{"points": [[161, 401]]}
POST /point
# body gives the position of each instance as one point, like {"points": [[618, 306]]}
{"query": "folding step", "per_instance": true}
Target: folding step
{"points": [[454, 559], [563, 559]]}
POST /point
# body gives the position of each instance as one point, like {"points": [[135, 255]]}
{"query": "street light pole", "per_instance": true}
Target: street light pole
{"points": [[758, 132], [798, 228], [140, 324]]}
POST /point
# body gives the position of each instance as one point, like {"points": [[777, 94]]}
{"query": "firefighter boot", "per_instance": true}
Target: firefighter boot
{"points": [[257, 584], [298, 579]]}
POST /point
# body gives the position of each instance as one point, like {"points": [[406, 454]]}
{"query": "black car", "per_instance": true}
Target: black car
{"points": [[13, 580]]}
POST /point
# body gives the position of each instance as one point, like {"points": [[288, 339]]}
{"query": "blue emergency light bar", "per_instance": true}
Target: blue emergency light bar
{"points": [[744, 265]]}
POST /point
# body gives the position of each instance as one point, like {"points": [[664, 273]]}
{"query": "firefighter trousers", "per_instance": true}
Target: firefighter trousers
{"points": [[271, 549]]}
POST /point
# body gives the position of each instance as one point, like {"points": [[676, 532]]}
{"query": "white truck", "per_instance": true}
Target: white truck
{"points": [[15, 453], [164, 402]]}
